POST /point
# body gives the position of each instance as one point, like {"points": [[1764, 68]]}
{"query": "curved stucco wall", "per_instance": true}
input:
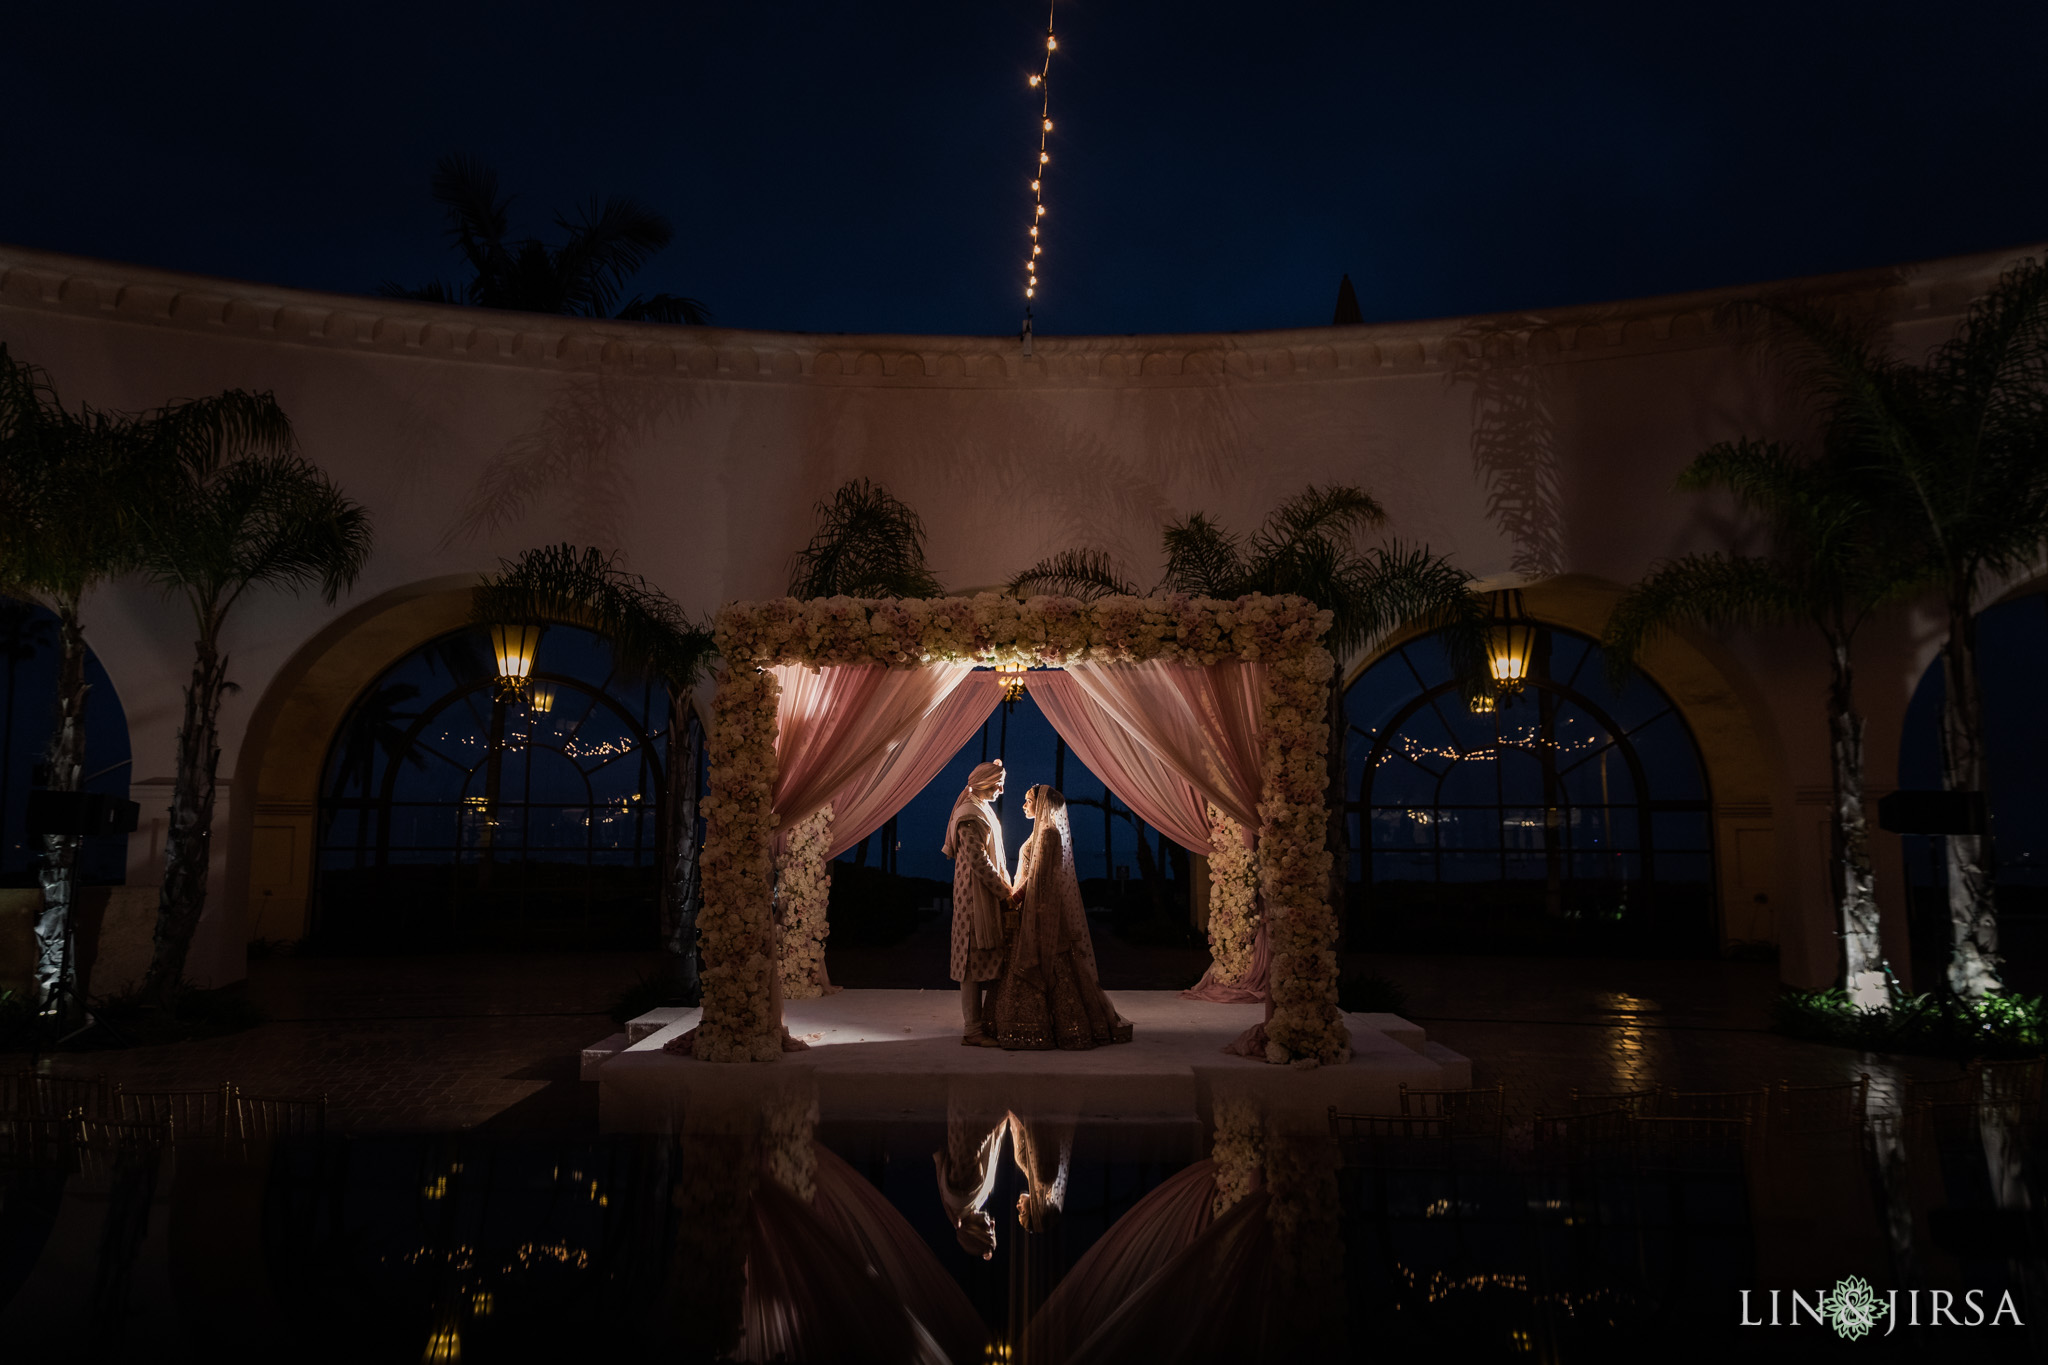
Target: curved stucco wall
{"points": [[1537, 446]]}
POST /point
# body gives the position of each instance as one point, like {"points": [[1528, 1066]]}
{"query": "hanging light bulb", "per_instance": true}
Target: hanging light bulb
{"points": [[1043, 158], [1041, 210], [1036, 249], [1052, 44], [1034, 229], [1048, 125], [1034, 187], [1035, 79]]}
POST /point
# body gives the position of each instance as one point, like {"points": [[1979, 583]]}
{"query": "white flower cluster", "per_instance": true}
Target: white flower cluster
{"points": [[1239, 1153], [806, 889], [995, 628], [1233, 898]]}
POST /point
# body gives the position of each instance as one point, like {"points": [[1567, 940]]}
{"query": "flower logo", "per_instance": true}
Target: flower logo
{"points": [[1852, 1309]]}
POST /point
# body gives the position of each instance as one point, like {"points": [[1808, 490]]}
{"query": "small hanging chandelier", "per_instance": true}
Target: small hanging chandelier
{"points": [[540, 698], [514, 645], [1012, 680], [1509, 639]]}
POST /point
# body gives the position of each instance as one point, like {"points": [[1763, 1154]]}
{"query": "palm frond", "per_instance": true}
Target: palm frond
{"points": [[478, 215], [1085, 574], [868, 543], [1202, 558], [584, 586], [670, 308], [1395, 587], [605, 246], [1338, 513], [1713, 590]]}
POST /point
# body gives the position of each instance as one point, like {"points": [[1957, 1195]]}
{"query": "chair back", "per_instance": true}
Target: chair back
{"points": [[1813, 1110], [1626, 1101], [274, 1116], [187, 1114]]}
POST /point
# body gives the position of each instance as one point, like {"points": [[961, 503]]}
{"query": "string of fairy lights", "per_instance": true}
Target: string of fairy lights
{"points": [[1042, 83]]}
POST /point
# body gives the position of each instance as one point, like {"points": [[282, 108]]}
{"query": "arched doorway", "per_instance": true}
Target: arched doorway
{"points": [[2012, 649], [28, 688], [1573, 817], [449, 815]]}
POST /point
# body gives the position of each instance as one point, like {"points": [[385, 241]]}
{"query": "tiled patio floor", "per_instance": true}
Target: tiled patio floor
{"points": [[455, 1041]]}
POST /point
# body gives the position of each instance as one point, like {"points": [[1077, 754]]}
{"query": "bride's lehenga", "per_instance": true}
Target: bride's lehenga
{"points": [[1048, 994]]}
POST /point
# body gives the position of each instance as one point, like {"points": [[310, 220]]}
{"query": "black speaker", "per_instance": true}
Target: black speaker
{"points": [[80, 813], [1932, 812]]}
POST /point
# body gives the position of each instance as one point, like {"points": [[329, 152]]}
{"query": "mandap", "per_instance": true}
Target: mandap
{"points": [[1205, 716]]}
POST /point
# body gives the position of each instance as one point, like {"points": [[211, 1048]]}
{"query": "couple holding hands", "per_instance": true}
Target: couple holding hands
{"points": [[1021, 950]]}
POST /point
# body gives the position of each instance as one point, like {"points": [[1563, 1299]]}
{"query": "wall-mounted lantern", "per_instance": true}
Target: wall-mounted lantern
{"points": [[1509, 639], [514, 646]]}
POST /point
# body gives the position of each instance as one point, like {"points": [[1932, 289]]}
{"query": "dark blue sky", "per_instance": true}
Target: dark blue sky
{"points": [[849, 167]]}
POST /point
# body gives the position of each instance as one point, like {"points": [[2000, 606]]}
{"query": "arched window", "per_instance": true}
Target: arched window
{"points": [[448, 815], [1570, 816]]}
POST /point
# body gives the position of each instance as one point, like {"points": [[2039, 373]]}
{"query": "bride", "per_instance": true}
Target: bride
{"points": [[1048, 995]]}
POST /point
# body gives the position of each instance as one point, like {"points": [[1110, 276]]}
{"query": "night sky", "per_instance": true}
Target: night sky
{"points": [[863, 167]]}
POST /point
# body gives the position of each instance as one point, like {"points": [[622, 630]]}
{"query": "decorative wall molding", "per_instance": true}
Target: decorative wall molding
{"points": [[34, 281]]}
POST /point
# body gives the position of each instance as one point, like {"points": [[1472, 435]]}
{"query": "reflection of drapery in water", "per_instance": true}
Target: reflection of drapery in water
{"points": [[1219, 1263], [785, 1253]]}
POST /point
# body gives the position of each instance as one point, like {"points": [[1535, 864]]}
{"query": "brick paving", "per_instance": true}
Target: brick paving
{"points": [[457, 1041]]}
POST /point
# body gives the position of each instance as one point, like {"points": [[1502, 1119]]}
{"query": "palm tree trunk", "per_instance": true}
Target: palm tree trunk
{"points": [[1863, 974], [56, 971], [1973, 916], [681, 885], [188, 844]]}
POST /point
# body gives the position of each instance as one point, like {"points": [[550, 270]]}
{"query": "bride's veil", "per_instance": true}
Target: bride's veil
{"points": [[1073, 918]]}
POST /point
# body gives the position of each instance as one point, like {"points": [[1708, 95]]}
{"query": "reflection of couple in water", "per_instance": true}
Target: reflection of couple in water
{"points": [[1025, 938]]}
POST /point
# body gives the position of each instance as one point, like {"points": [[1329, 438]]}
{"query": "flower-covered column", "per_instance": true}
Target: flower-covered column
{"points": [[1233, 899], [805, 887], [1294, 864], [735, 927]]}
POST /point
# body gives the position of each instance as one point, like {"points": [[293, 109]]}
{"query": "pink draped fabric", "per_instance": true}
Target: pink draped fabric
{"points": [[835, 724], [1253, 989], [1114, 752], [1137, 1246], [1203, 722], [865, 804], [869, 1225]]}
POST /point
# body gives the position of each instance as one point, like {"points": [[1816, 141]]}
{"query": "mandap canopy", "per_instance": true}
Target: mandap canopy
{"points": [[1206, 717]]}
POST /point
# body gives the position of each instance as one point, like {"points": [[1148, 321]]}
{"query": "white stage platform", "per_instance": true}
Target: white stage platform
{"points": [[896, 1056]]}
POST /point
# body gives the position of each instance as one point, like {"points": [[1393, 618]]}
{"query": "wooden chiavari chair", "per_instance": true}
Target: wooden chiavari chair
{"points": [[258, 1117], [1626, 1101], [1671, 1142], [1814, 1110], [187, 1114], [1479, 1115], [33, 1093]]}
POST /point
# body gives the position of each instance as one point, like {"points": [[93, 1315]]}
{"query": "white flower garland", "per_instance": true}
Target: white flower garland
{"points": [[1233, 898], [1239, 1153], [1285, 633], [805, 884]]}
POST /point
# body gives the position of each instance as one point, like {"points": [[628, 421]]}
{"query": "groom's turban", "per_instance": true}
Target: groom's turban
{"points": [[985, 774]]}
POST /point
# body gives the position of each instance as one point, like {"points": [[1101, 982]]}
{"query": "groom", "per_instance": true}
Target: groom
{"points": [[974, 841]]}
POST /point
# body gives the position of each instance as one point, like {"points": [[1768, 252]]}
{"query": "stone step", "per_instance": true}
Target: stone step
{"points": [[597, 1054], [1410, 1036], [655, 1020]]}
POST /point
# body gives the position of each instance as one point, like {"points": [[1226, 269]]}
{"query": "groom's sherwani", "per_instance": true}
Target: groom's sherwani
{"points": [[978, 894]]}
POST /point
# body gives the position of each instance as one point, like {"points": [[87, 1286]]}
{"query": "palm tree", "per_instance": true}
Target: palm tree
{"points": [[68, 489], [1828, 565], [583, 275], [868, 543], [1962, 439], [1308, 547], [233, 507], [648, 632]]}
